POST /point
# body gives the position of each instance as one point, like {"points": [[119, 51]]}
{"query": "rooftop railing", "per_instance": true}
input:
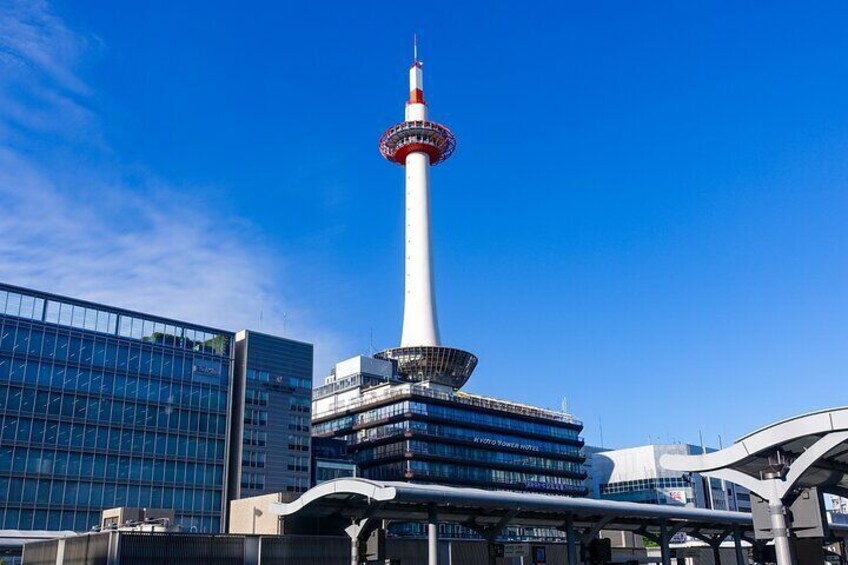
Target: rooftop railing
{"points": [[406, 390]]}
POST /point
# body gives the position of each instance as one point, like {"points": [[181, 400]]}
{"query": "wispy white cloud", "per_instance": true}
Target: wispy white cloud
{"points": [[142, 245]]}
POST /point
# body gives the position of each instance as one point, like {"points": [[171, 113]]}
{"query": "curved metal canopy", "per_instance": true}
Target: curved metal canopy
{"points": [[353, 499], [812, 449]]}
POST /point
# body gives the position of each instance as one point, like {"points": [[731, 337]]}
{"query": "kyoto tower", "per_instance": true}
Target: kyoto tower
{"points": [[417, 144]]}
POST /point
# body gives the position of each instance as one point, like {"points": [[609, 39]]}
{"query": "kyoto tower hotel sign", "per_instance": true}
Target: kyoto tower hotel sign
{"points": [[418, 143]]}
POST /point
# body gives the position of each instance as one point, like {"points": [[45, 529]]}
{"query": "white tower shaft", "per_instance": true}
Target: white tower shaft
{"points": [[420, 323]]}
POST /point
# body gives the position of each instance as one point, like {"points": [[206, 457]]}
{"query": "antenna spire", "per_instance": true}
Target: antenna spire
{"points": [[415, 47]]}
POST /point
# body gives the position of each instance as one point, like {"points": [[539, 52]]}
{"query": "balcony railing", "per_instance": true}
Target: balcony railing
{"points": [[408, 390]]}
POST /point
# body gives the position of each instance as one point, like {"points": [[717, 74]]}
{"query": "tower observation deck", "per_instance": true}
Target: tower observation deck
{"points": [[418, 143]]}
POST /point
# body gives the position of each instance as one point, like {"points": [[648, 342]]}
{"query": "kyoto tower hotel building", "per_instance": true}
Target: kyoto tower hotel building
{"points": [[400, 415]]}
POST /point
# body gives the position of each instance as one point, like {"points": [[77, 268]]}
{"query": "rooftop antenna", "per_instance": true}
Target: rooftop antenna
{"points": [[415, 47], [601, 429], [261, 317], [371, 343], [285, 319]]}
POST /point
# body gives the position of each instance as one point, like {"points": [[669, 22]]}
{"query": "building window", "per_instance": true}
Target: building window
{"points": [[253, 480], [299, 424], [254, 459], [299, 404], [296, 484], [256, 397], [256, 417], [298, 463], [298, 443], [255, 437]]}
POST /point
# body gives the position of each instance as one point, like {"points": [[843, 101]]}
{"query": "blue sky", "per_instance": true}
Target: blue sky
{"points": [[646, 212]]}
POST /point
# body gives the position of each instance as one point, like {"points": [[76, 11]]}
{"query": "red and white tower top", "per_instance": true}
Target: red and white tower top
{"points": [[416, 77], [416, 144], [416, 133]]}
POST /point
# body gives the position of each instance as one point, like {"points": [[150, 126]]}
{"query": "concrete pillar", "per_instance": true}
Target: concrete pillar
{"points": [[354, 550], [432, 537], [571, 544], [777, 516], [60, 552], [490, 549], [665, 550], [252, 550]]}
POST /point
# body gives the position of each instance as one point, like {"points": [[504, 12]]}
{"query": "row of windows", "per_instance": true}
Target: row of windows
{"points": [[257, 438], [86, 350], [328, 472], [482, 438], [82, 520], [645, 484], [256, 417], [346, 383], [299, 423], [298, 443], [253, 480], [46, 375], [266, 377], [256, 397], [298, 463], [253, 459], [490, 420], [300, 404], [105, 411], [104, 321], [459, 531], [30, 493], [297, 484], [456, 415], [24, 461], [466, 454], [47, 433], [450, 472]]}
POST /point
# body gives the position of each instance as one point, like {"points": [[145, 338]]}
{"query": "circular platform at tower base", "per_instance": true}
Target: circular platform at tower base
{"points": [[442, 365]]}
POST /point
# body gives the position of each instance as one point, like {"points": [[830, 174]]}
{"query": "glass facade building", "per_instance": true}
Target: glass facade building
{"points": [[403, 431], [102, 407], [272, 416], [330, 460]]}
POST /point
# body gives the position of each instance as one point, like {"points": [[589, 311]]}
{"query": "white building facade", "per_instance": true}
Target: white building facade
{"points": [[636, 475]]}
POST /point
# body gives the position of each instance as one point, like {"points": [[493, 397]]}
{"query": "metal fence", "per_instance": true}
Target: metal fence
{"points": [[187, 549], [297, 550]]}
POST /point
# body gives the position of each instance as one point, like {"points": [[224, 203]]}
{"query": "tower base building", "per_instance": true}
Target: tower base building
{"points": [[425, 432]]}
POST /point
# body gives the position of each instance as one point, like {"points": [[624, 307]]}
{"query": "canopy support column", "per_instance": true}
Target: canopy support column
{"points": [[357, 530], [665, 550], [571, 537], [777, 517], [432, 536], [717, 553], [354, 551], [737, 545]]}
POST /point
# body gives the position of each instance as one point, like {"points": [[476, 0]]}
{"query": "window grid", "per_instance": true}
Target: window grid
{"points": [[90, 420]]}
